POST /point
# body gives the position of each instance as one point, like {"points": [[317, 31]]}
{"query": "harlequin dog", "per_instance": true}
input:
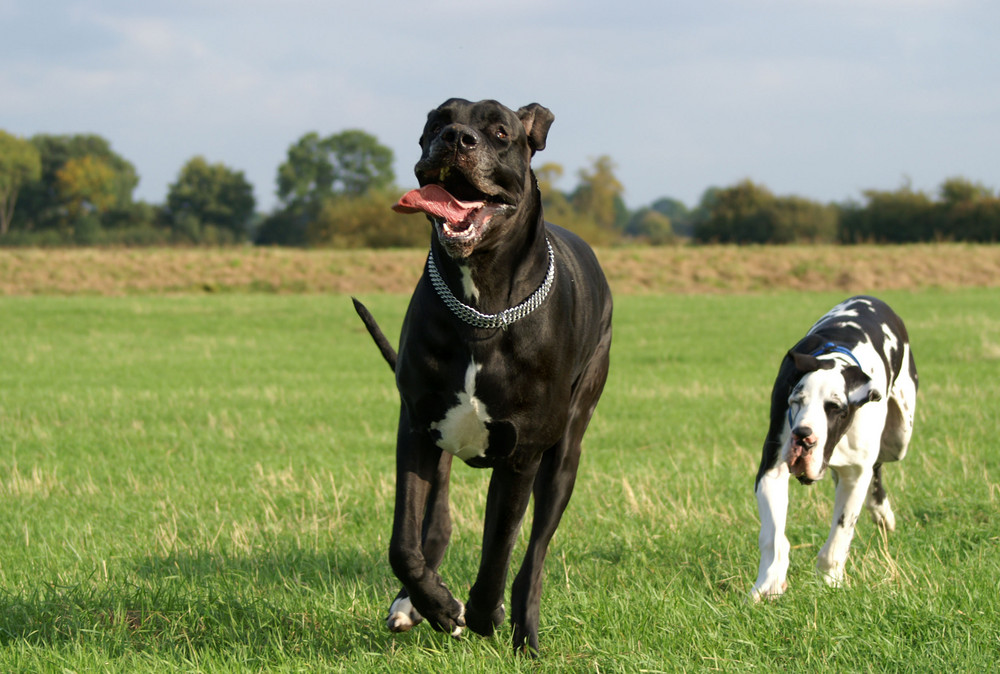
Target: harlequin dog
{"points": [[844, 399], [502, 357]]}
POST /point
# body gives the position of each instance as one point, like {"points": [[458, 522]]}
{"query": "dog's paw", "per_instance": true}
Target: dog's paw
{"points": [[768, 591], [456, 631], [832, 574], [402, 616], [525, 640], [883, 517], [483, 623], [450, 620]]}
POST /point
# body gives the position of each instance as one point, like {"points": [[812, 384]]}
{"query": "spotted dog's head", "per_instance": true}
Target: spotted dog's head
{"points": [[474, 170], [821, 407]]}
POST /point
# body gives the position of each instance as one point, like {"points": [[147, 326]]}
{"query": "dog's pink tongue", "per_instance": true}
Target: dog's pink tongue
{"points": [[435, 200]]}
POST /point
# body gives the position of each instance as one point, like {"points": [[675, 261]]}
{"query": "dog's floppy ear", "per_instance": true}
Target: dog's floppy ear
{"points": [[807, 363], [860, 387], [536, 120]]}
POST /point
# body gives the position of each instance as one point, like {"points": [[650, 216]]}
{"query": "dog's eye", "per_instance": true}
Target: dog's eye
{"points": [[501, 133], [835, 408]]}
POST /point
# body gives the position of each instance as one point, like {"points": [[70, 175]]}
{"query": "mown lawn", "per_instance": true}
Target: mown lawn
{"points": [[205, 483]]}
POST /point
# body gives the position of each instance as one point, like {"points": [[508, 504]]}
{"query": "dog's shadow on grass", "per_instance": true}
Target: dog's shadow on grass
{"points": [[316, 603]]}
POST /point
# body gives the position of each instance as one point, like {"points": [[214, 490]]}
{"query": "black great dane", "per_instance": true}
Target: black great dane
{"points": [[844, 398], [502, 357]]}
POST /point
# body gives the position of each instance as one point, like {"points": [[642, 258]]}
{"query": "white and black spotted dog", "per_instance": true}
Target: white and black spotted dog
{"points": [[844, 398]]}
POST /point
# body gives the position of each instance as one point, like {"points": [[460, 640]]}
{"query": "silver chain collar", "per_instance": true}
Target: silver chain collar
{"points": [[492, 321]]}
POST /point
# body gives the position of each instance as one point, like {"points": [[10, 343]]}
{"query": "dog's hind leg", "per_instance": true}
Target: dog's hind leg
{"points": [[894, 442], [506, 502], [878, 502], [552, 490]]}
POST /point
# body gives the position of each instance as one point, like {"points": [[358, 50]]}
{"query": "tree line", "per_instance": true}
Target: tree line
{"points": [[335, 191]]}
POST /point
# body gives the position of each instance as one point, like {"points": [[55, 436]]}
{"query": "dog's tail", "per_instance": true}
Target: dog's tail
{"points": [[381, 342]]}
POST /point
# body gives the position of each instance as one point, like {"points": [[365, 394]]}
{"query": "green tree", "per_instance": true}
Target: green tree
{"points": [[546, 177], [573, 211], [599, 195], [750, 213], [960, 190], [43, 206], [967, 211], [20, 164], [680, 216], [86, 185], [306, 176], [796, 219], [555, 203], [283, 227], [898, 216], [742, 213], [208, 199], [651, 226], [349, 163], [361, 165]]}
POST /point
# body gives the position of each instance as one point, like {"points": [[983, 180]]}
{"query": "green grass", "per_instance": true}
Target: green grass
{"points": [[205, 483]]}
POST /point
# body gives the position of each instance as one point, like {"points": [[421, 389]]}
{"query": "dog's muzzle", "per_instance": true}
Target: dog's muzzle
{"points": [[459, 224], [802, 442]]}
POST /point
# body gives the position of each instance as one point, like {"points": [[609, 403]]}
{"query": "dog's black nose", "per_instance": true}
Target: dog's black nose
{"points": [[461, 136], [802, 431]]}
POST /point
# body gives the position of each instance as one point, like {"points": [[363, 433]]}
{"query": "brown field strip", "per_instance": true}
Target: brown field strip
{"points": [[706, 269]]}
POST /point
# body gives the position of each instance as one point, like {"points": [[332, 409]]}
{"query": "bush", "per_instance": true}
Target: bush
{"points": [[902, 216], [286, 227], [977, 221], [651, 226], [365, 221]]}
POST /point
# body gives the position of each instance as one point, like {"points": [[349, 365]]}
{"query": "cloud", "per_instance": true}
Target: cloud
{"points": [[680, 95]]}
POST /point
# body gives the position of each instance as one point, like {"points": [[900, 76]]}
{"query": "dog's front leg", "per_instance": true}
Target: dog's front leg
{"points": [[437, 532], [417, 545], [852, 489], [506, 503], [772, 502]]}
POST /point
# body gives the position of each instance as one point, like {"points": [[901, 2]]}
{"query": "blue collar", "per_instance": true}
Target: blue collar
{"points": [[830, 347]]}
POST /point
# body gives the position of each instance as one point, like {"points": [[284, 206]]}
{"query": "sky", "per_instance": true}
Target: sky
{"points": [[822, 99]]}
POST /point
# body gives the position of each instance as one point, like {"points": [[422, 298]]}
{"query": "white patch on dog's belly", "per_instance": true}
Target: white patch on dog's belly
{"points": [[463, 428]]}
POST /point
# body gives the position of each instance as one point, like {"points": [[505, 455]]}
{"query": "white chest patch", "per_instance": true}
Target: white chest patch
{"points": [[468, 286], [463, 428]]}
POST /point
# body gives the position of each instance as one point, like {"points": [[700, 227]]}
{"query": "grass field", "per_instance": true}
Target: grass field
{"points": [[204, 482]]}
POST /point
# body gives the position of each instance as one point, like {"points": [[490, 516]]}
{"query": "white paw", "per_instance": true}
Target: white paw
{"points": [[402, 616], [832, 576], [457, 632], [768, 591], [884, 517]]}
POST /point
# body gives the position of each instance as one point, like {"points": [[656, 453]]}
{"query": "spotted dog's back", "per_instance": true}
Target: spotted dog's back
{"points": [[865, 320]]}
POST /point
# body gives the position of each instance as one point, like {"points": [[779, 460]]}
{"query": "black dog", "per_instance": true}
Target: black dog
{"points": [[502, 358]]}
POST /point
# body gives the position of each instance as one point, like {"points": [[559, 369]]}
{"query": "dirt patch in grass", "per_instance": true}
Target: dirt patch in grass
{"points": [[707, 269]]}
